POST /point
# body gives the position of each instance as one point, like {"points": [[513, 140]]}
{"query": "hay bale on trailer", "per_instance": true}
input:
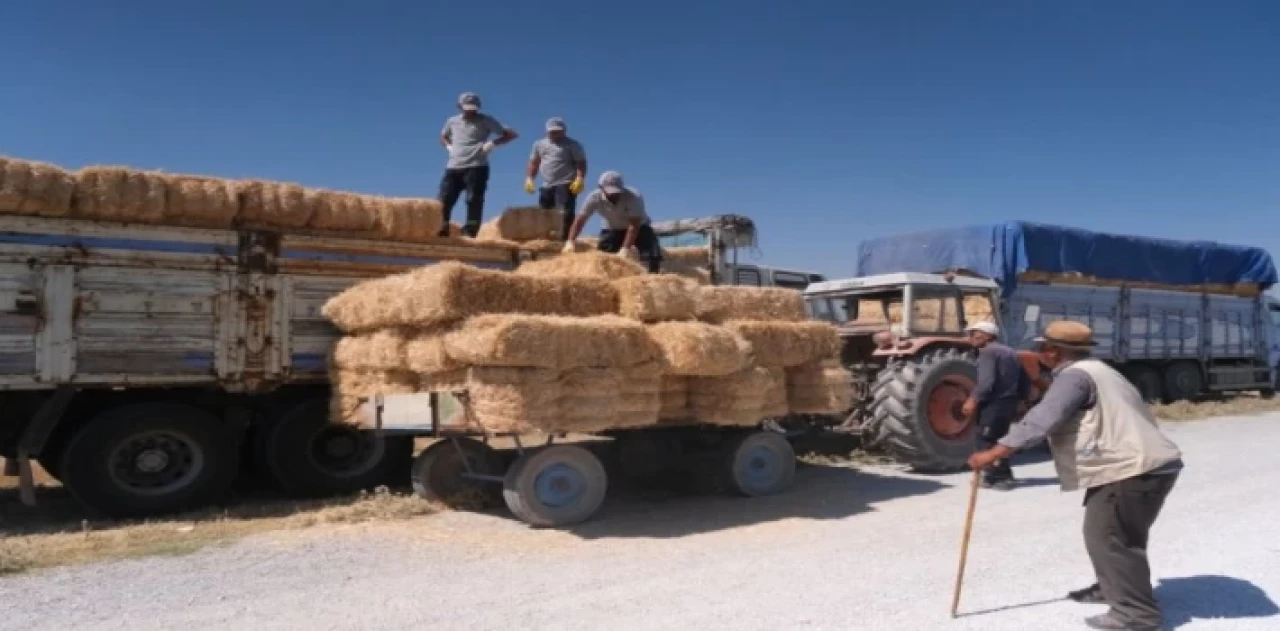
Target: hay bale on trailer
{"points": [[718, 304], [120, 194], [784, 344], [202, 202], [275, 205], [35, 188], [409, 219], [337, 211], [514, 400], [592, 264], [550, 341], [697, 349], [819, 388], [524, 223], [734, 400], [655, 298]]}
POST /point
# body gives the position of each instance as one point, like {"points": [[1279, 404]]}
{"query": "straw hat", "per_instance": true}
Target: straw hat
{"points": [[1067, 334]]}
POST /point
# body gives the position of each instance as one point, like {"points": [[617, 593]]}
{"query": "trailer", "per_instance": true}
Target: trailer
{"points": [[147, 368]]}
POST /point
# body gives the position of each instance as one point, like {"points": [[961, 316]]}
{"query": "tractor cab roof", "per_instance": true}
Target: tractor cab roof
{"points": [[869, 284]]}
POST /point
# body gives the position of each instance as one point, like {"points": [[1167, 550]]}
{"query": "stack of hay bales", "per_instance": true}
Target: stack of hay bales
{"points": [[584, 343]]}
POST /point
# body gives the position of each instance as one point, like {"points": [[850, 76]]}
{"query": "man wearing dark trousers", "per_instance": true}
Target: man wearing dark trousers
{"points": [[563, 165], [1002, 383], [627, 231], [469, 137], [1105, 440]]}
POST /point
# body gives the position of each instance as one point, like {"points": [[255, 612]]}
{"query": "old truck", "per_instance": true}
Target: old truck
{"points": [[1179, 319], [149, 367]]}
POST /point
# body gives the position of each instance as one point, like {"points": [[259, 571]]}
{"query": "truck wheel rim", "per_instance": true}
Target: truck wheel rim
{"points": [[559, 485], [944, 407], [343, 452], [155, 463], [759, 468]]}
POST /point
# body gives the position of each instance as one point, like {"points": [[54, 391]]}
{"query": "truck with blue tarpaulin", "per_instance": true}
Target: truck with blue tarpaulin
{"points": [[1181, 319]]}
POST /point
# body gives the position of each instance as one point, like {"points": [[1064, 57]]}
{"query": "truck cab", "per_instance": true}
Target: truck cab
{"points": [[724, 237]]}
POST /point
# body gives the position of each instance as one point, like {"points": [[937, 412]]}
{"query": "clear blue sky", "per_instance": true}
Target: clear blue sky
{"points": [[825, 121]]}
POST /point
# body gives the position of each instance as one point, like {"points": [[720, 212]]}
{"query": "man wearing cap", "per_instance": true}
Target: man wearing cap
{"points": [[563, 165], [1002, 384], [469, 137], [626, 224], [1105, 440]]}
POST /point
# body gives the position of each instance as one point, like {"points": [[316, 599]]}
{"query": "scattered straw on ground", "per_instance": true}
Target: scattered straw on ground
{"points": [[1243, 404]]}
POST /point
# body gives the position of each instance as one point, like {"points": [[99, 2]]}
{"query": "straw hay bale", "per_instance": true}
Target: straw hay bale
{"points": [[783, 344], [367, 383], [718, 304], [119, 194], [674, 399], [380, 350], [451, 291], [454, 380], [819, 388], [688, 256], [550, 341], [345, 212], [35, 188], [514, 399], [276, 205], [409, 219], [204, 202], [699, 275], [599, 399], [584, 264], [655, 298], [699, 349], [542, 246], [524, 223], [736, 400], [774, 403]]}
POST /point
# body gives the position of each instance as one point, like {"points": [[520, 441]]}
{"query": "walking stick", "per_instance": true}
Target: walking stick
{"points": [[964, 544]]}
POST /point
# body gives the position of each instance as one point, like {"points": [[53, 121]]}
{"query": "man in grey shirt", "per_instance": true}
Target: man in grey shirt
{"points": [[469, 137], [1002, 384], [563, 165], [627, 230]]}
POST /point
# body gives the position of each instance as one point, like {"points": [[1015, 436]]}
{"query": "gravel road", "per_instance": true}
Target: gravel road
{"points": [[847, 549]]}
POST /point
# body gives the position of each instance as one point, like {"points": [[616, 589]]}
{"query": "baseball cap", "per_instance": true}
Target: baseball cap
{"points": [[555, 124], [989, 328], [469, 101], [611, 182]]}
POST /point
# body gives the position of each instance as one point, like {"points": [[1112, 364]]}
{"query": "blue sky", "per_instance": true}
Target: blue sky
{"points": [[827, 122]]}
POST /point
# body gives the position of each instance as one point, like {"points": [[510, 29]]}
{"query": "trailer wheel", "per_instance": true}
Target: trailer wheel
{"points": [[150, 459], [760, 463], [438, 473], [308, 456], [557, 486], [1146, 379], [916, 411], [1183, 380]]}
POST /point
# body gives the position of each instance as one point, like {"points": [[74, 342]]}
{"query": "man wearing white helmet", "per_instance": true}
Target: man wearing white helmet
{"points": [[563, 165], [469, 137], [1002, 383], [627, 231]]}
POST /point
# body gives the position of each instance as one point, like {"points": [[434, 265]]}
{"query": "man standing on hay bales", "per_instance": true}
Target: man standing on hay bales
{"points": [[563, 165], [1104, 439], [469, 137], [1002, 384], [627, 231]]}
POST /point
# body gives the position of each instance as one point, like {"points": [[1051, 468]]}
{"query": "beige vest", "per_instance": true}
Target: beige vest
{"points": [[1117, 439]]}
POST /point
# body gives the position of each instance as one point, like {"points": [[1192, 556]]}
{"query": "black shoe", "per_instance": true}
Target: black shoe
{"points": [[1006, 484], [1106, 622], [1091, 595]]}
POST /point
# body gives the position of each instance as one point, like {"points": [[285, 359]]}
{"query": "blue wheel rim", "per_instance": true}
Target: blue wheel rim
{"points": [[559, 485], [759, 468]]}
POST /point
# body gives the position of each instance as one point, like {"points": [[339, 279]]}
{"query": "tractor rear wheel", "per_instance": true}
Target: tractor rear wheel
{"points": [[916, 409]]}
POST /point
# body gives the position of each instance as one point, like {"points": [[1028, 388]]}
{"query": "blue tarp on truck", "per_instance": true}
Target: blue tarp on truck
{"points": [[1003, 251]]}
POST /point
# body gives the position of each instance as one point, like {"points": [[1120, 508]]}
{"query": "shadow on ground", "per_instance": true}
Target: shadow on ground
{"points": [[820, 493], [1191, 598]]}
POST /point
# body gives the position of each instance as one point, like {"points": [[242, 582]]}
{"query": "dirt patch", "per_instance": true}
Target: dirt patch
{"points": [[1240, 405], [54, 533]]}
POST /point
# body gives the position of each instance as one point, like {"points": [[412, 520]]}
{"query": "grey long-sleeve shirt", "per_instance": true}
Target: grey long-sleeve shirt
{"points": [[1070, 393], [999, 374]]}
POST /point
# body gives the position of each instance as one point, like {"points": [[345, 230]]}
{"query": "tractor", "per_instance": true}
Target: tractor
{"points": [[913, 366]]}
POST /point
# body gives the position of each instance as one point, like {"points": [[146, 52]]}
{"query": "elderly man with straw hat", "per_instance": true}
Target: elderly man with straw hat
{"points": [[1105, 440], [562, 162], [1002, 384]]}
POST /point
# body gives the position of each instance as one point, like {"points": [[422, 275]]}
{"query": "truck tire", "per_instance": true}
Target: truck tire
{"points": [[150, 459], [916, 409], [1183, 381], [1146, 379], [310, 457]]}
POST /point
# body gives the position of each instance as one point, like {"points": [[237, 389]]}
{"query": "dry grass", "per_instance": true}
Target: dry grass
{"points": [[550, 341], [674, 402], [120, 194], [509, 400], [655, 298], [524, 223], [721, 303], [1240, 405], [275, 205], [344, 212], [699, 275], [737, 399], [819, 388], [202, 201], [34, 188], [591, 264], [787, 344], [699, 349]]}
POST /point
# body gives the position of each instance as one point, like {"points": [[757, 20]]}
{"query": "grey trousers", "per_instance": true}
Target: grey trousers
{"points": [[1117, 520]]}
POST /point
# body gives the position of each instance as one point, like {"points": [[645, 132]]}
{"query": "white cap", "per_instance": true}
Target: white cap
{"points": [[555, 124], [611, 182], [989, 328]]}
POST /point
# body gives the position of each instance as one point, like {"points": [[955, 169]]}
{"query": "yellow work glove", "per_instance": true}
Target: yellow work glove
{"points": [[528, 185], [576, 186]]}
